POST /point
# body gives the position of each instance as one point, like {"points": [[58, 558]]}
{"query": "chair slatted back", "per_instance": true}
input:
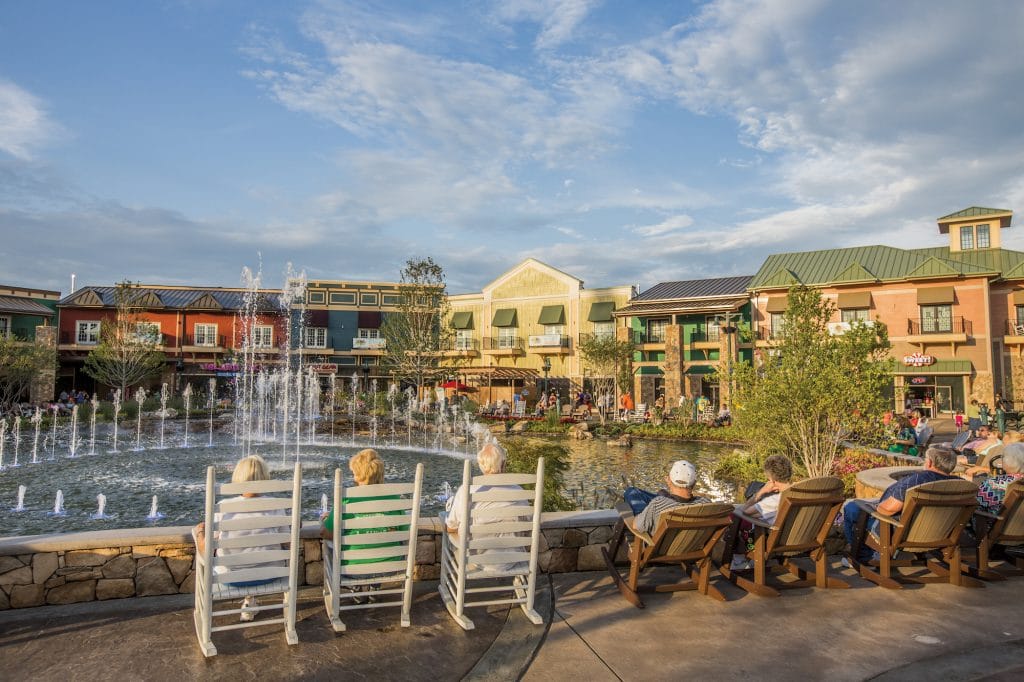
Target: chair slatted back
{"points": [[503, 517], [258, 528], [934, 514], [385, 515], [688, 532], [1009, 529], [806, 511]]}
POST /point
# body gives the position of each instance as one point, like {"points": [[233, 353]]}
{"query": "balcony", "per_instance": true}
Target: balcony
{"points": [[649, 340], [587, 337], [204, 343], [1014, 335], [369, 346], [70, 341], [461, 348], [766, 336], [706, 340], [503, 345], [933, 331], [549, 344]]}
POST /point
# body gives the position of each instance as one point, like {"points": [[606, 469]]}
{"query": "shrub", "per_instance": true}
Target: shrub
{"points": [[850, 462], [522, 459]]}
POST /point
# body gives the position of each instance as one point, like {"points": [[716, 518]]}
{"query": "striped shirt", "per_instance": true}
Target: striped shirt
{"points": [[647, 520]]}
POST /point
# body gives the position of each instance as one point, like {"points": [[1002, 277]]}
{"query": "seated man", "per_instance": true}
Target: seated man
{"points": [[938, 466], [647, 506], [987, 443]]}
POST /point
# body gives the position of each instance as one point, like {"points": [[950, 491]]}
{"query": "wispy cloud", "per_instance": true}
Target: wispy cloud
{"points": [[24, 124], [558, 19]]}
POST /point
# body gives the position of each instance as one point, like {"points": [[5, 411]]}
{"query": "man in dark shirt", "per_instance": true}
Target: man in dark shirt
{"points": [[938, 465], [648, 506]]}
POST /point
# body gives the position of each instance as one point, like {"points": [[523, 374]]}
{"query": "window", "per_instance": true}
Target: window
{"points": [[369, 333], [966, 238], [983, 239], [854, 315], [1020, 314], [392, 299], [343, 298], [316, 297], [507, 337], [5, 327], [263, 336], [147, 332], [344, 360], [778, 324], [87, 332], [316, 337], [368, 299], [554, 329], [604, 329], [714, 328], [656, 331], [206, 335], [936, 319], [463, 339]]}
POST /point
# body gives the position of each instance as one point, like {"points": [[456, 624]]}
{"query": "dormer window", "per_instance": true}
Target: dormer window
{"points": [[983, 236], [967, 238]]}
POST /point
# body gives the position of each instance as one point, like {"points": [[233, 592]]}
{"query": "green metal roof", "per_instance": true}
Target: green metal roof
{"points": [[974, 211], [552, 314], [648, 371], [881, 263], [462, 320]]}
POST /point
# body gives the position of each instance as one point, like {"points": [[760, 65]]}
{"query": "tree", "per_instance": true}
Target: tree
{"points": [[815, 389], [129, 347], [610, 360], [20, 363], [415, 334]]}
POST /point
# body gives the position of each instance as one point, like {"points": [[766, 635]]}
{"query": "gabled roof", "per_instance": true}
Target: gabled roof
{"points": [[695, 288], [972, 212], [176, 298]]}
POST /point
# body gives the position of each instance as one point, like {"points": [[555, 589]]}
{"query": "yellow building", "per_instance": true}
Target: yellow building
{"points": [[530, 317]]}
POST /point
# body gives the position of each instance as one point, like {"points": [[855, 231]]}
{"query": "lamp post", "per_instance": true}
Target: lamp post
{"points": [[547, 368]]}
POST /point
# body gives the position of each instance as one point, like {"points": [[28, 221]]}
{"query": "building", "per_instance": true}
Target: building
{"points": [[340, 322], [523, 329], [684, 332], [201, 330], [29, 315], [954, 313]]}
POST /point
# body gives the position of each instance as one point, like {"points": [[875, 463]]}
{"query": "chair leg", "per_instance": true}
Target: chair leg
{"points": [[630, 595], [290, 635], [819, 576], [527, 607], [702, 577]]}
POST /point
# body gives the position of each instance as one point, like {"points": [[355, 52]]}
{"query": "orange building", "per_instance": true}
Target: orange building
{"points": [[955, 313]]}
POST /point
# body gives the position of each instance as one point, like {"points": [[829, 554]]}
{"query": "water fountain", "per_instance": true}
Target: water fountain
{"points": [[212, 395], [117, 415], [58, 505], [20, 506], [186, 395], [140, 398], [392, 394], [17, 438], [3, 434], [37, 419], [53, 432], [164, 394], [352, 405], [73, 441], [325, 505], [154, 514], [92, 426], [330, 404], [101, 505]]}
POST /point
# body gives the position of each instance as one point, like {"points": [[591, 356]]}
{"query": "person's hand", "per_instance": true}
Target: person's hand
{"points": [[769, 487], [324, 515], [201, 528]]}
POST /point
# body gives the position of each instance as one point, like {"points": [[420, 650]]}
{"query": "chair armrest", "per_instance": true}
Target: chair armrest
{"points": [[755, 520], [872, 509], [625, 511], [986, 514]]}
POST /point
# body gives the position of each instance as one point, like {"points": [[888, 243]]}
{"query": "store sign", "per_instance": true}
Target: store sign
{"points": [[226, 367], [918, 360], [917, 381], [324, 368]]}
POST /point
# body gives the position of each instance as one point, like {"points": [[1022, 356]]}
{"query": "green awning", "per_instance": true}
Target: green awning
{"points": [[648, 371], [504, 317], [601, 312], [937, 367], [552, 314], [701, 369], [463, 320]]}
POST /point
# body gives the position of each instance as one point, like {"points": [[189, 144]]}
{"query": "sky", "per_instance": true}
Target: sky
{"points": [[178, 141]]}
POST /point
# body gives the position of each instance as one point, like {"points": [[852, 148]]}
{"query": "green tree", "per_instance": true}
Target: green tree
{"points": [[522, 459], [414, 334], [815, 389], [610, 359], [21, 362], [129, 347]]}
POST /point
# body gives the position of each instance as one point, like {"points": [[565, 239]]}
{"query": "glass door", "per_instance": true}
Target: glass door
{"points": [[943, 399]]}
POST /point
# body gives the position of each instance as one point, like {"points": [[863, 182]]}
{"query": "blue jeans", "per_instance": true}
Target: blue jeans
{"points": [[851, 515], [637, 499]]}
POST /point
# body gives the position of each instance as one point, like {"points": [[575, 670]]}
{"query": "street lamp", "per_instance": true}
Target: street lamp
{"points": [[547, 368]]}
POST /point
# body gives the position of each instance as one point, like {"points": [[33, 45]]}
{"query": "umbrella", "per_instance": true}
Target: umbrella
{"points": [[457, 385]]}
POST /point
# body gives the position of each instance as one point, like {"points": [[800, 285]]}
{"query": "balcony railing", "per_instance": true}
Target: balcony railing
{"points": [[953, 325], [590, 336], [503, 343], [157, 339], [461, 345], [648, 337], [1015, 328], [363, 343], [549, 341], [711, 335], [204, 340], [766, 333], [72, 338]]}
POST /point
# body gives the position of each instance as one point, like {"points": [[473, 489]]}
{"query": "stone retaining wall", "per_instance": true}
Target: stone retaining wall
{"points": [[141, 562]]}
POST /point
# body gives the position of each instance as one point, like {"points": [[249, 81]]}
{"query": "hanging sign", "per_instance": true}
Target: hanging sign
{"points": [[918, 381], [918, 360]]}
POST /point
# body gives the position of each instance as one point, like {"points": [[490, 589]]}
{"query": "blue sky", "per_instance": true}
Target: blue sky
{"points": [[623, 142]]}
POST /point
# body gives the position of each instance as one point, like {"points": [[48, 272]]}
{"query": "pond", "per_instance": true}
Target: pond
{"points": [[176, 476]]}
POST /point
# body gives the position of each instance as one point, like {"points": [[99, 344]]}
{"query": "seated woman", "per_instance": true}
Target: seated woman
{"points": [[251, 468], [993, 489], [367, 469], [764, 504], [905, 440]]}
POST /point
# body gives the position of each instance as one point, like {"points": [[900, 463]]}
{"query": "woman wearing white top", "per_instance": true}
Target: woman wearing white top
{"points": [[764, 504]]}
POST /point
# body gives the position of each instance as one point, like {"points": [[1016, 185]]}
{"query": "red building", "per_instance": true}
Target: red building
{"points": [[201, 330]]}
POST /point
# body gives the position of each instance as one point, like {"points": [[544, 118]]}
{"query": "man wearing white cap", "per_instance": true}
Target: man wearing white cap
{"points": [[647, 506]]}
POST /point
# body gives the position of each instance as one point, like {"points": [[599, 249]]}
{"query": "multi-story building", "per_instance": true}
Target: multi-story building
{"points": [[201, 330], [340, 326], [28, 315], [687, 334], [524, 328], [954, 313]]}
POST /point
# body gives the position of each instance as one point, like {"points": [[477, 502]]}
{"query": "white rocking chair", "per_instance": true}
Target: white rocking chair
{"points": [[386, 550], [495, 541], [266, 530]]}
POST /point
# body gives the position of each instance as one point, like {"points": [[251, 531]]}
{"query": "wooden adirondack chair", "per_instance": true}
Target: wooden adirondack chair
{"points": [[807, 510], [684, 537], [933, 517], [639, 415], [386, 516], [1006, 529], [276, 569]]}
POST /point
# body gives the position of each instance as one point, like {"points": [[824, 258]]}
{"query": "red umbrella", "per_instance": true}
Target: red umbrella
{"points": [[457, 385]]}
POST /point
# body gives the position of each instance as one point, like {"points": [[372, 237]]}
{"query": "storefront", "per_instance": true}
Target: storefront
{"points": [[701, 380], [933, 386]]}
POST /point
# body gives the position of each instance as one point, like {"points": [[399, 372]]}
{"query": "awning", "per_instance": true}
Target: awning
{"points": [[935, 296], [648, 371], [23, 306], [1018, 297], [462, 320], [701, 369], [369, 319], [937, 367], [681, 307], [552, 314], [777, 304], [854, 299], [504, 317], [316, 318], [601, 312]]}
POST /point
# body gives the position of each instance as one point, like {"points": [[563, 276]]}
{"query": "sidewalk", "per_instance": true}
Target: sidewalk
{"points": [[922, 632]]}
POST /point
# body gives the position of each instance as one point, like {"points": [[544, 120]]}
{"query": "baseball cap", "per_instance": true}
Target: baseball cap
{"points": [[683, 474]]}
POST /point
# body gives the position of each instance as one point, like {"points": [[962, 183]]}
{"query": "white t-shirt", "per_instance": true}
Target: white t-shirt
{"points": [[768, 507], [226, 534], [455, 521]]}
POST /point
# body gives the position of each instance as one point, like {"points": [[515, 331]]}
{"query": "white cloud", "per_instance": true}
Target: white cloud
{"points": [[24, 123], [671, 224], [558, 19]]}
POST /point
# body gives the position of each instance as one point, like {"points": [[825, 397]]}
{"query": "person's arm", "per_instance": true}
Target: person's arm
{"points": [[200, 531], [890, 506]]}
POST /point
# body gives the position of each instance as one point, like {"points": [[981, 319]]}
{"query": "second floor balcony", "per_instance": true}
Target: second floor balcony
{"points": [[369, 345], [549, 343], [204, 341], [503, 345], [1014, 334], [929, 330], [649, 337], [461, 347]]}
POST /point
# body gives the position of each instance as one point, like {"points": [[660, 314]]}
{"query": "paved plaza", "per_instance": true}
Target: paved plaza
{"points": [[926, 633]]}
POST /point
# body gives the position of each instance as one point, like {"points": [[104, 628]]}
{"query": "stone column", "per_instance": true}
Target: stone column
{"points": [[673, 365], [44, 385]]}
